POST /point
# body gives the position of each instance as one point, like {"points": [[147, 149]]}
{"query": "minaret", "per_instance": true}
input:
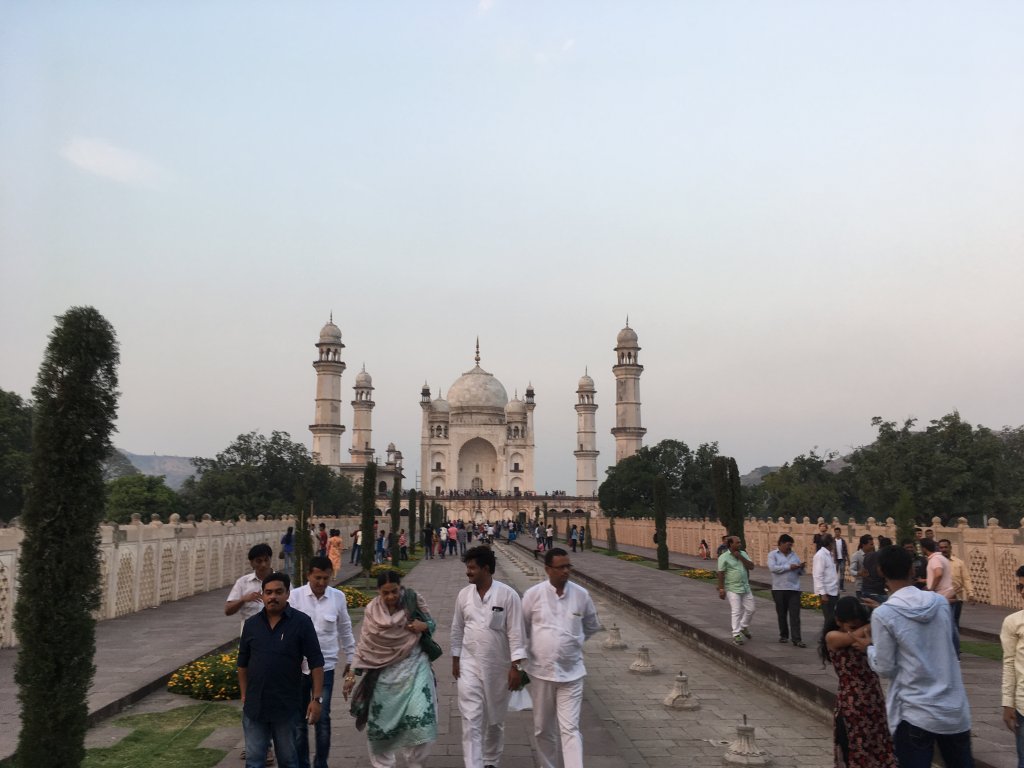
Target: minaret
{"points": [[327, 428], [629, 435], [586, 438], [362, 419]]}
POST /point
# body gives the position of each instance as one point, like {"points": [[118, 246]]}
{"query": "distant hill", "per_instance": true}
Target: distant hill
{"points": [[755, 476], [177, 469]]}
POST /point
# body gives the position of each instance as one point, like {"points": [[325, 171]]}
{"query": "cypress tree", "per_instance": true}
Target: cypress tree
{"points": [[396, 519], [660, 526], [412, 520], [75, 407], [613, 544], [725, 480], [588, 542], [303, 543], [904, 515], [369, 510], [423, 512]]}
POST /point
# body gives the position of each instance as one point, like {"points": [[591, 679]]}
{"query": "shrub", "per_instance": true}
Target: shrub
{"points": [[211, 678], [810, 600], [630, 558], [383, 568], [354, 598], [699, 573]]}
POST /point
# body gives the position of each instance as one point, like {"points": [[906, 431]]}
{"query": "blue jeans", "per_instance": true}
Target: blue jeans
{"points": [[354, 557], [258, 734], [1020, 740], [323, 725], [915, 747]]}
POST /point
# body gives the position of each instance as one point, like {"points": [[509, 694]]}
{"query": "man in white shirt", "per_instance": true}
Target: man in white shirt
{"points": [[559, 617], [246, 596], [328, 608], [488, 650], [826, 580]]}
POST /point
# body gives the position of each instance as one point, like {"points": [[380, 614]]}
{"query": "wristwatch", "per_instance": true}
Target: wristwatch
{"points": [[519, 666], [318, 699]]}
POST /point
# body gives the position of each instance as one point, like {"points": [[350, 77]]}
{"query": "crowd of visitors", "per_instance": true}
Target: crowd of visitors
{"points": [[293, 641]]}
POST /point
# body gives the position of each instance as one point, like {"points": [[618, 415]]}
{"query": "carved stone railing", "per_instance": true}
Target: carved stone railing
{"points": [[992, 554]]}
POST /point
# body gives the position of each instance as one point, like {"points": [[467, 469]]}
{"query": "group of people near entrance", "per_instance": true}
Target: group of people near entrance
{"points": [[902, 624], [293, 642]]}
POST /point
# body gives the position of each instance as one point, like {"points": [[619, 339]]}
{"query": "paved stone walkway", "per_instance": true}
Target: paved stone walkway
{"points": [[624, 721]]}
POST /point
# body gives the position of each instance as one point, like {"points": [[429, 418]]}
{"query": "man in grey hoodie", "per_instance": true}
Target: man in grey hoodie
{"points": [[926, 704]]}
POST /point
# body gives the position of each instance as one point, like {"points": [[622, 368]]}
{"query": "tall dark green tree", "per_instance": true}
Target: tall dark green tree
{"points": [[303, 545], [412, 520], [75, 407], [660, 527], [15, 453], [396, 519], [904, 515], [588, 542], [803, 487], [368, 514], [613, 542], [423, 513], [725, 476]]}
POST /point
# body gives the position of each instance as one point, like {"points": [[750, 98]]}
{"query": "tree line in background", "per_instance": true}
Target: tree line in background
{"points": [[949, 469]]}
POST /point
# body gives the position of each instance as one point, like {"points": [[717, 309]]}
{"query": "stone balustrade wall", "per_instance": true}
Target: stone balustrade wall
{"points": [[992, 554], [144, 565]]}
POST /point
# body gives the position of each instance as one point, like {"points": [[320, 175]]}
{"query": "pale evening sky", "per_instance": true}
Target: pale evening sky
{"points": [[813, 213]]}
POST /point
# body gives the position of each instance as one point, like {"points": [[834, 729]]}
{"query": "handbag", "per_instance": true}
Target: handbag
{"points": [[427, 643]]}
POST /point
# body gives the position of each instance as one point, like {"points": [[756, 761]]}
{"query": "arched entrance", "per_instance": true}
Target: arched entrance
{"points": [[478, 466]]}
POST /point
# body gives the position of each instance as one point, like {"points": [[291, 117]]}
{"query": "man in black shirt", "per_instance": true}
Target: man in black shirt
{"points": [[270, 653], [873, 583]]}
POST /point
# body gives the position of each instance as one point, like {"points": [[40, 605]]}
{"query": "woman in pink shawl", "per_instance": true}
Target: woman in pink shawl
{"points": [[396, 696]]}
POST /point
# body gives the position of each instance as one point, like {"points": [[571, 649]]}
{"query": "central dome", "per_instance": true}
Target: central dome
{"points": [[477, 389]]}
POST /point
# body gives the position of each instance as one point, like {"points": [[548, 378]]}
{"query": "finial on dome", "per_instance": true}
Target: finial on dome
{"points": [[627, 321], [586, 370], [331, 317], [477, 358]]}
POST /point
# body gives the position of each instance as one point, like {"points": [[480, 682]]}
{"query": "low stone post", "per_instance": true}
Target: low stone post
{"points": [[680, 696], [614, 640], [643, 665], [744, 751]]}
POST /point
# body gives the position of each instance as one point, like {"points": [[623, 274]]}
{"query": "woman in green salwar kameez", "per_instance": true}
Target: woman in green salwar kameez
{"points": [[396, 697]]}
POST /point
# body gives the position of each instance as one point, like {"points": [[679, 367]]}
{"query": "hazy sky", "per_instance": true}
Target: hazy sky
{"points": [[813, 213]]}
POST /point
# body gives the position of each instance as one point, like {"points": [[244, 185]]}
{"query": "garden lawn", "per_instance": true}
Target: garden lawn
{"points": [[167, 739]]}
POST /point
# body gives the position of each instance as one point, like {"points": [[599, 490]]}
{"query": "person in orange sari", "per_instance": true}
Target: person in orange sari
{"points": [[334, 547]]}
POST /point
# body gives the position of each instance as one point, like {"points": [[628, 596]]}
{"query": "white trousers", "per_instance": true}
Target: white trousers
{"points": [[415, 757], [556, 718], [483, 698], [742, 609]]}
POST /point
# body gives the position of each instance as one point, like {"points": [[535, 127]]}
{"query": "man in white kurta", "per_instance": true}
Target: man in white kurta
{"points": [[488, 651], [559, 617]]}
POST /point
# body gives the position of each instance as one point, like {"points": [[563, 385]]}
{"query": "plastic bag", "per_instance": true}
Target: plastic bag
{"points": [[520, 701]]}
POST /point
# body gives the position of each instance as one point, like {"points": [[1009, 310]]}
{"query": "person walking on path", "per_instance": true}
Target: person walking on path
{"points": [[396, 700], [734, 566], [288, 550], [842, 554], [334, 547], [488, 652], [963, 589], [860, 734], [270, 654], [357, 546], [926, 704], [786, 569], [1011, 636], [559, 617], [328, 608], [865, 546], [826, 580]]}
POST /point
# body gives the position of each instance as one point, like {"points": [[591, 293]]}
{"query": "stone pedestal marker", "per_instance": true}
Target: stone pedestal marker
{"points": [[643, 665], [744, 751], [680, 696], [614, 640]]}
